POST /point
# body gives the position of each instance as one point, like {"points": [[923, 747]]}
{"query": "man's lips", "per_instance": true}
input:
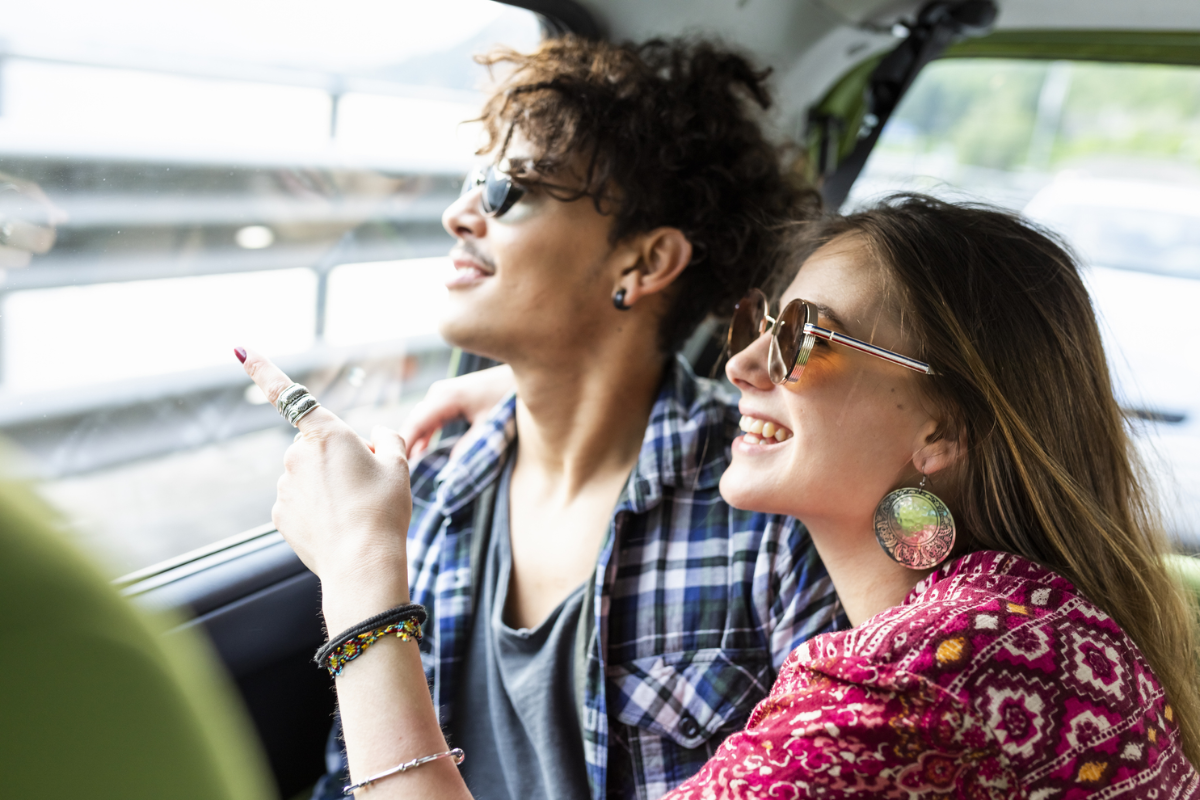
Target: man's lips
{"points": [[467, 271]]}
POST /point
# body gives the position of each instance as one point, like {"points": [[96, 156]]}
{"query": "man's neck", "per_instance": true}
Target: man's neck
{"points": [[580, 429], [579, 422]]}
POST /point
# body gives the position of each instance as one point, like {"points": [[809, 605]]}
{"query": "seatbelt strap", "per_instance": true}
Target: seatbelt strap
{"points": [[481, 535], [583, 640]]}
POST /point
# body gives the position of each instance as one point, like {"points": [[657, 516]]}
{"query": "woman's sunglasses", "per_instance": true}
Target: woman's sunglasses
{"points": [[793, 335], [500, 193]]}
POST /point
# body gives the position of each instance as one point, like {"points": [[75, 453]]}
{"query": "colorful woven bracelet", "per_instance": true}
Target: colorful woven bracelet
{"points": [[348, 644], [336, 660]]}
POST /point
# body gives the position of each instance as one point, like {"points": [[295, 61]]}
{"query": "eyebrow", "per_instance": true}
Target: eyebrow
{"points": [[828, 313]]}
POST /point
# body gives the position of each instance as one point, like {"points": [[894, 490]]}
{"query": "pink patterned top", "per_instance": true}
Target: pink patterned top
{"points": [[994, 679]]}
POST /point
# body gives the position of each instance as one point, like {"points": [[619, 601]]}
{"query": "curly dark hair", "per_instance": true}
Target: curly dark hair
{"points": [[670, 135]]}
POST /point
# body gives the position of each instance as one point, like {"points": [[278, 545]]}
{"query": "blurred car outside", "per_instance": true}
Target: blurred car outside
{"points": [[1139, 242]]}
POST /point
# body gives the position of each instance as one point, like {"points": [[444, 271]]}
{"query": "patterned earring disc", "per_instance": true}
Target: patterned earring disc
{"points": [[915, 528]]}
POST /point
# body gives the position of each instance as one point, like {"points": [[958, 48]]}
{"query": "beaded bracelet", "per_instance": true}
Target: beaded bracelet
{"points": [[404, 621]]}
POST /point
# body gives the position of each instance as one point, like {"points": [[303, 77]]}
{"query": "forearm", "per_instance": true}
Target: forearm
{"points": [[344, 506], [387, 714], [388, 718]]}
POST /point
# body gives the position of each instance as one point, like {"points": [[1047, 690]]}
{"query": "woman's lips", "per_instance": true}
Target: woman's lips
{"points": [[758, 431]]}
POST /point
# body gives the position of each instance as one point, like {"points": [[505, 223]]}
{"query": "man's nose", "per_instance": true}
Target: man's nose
{"points": [[748, 369], [464, 217]]}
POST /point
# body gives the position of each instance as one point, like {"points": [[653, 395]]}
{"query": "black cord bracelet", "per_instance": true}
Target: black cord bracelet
{"points": [[404, 613]]}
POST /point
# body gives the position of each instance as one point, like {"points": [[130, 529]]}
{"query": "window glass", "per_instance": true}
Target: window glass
{"points": [[1108, 156], [220, 173]]}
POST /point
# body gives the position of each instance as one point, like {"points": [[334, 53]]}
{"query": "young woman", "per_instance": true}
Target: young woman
{"points": [[934, 403]]}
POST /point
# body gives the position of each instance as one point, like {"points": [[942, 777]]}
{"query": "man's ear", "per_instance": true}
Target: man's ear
{"points": [[662, 254]]}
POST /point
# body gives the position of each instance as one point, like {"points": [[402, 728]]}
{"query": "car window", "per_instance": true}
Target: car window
{"points": [[1106, 155], [178, 179]]}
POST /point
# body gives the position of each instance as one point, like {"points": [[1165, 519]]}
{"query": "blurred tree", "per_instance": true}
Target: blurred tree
{"points": [[986, 111]]}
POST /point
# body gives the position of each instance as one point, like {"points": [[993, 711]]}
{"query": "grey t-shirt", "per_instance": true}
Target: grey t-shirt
{"points": [[515, 715]]}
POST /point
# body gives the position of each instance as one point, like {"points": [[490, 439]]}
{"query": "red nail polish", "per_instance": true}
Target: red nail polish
{"points": [[240, 352]]}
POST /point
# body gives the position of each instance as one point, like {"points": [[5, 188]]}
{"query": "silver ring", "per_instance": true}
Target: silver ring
{"points": [[288, 396], [302, 407], [294, 403]]}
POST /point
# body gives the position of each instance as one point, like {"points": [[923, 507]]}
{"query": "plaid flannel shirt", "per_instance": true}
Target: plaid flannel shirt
{"points": [[695, 604]]}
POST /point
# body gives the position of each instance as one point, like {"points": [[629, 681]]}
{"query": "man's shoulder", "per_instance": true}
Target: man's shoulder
{"points": [[691, 427], [458, 468], [697, 398]]}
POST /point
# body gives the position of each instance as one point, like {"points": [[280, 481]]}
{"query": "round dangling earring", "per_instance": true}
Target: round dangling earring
{"points": [[619, 300], [914, 527]]}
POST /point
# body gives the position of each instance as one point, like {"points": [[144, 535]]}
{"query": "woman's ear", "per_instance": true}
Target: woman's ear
{"points": [[942, 449], [662, 255]]}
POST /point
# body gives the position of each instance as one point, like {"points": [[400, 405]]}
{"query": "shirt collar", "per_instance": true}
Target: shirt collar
{"points": [[685, 447]]}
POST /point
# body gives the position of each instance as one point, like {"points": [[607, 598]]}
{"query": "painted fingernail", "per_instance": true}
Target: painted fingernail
{"points": [[240, 352]]}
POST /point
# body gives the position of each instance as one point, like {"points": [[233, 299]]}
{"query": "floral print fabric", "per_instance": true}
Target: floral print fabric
{"points": [[994, 679]]}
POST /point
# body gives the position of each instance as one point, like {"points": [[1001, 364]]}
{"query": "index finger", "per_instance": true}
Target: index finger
{"points": [[272, 381]]}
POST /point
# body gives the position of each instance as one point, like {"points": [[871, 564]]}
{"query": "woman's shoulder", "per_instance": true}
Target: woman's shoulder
{"points": [[958, 614], [1066, 694]]}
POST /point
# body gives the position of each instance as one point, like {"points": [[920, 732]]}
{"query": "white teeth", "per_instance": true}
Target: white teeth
{"points": [[758, 430]]}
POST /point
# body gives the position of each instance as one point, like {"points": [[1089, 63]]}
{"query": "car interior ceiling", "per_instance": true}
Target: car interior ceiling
{"points": [[251, 594]]}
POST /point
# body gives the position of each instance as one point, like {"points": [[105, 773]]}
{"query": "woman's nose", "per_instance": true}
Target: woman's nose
{"points": [[464, 217], [748, 369]]}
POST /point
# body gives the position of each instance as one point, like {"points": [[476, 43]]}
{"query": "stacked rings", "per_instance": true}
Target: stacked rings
{"points": [[295, 402]]}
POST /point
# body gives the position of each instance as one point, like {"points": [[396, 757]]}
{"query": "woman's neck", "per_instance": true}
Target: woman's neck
{"points": [[867, 580]]}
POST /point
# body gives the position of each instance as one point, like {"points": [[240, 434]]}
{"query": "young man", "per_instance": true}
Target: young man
{"points": [[599, 619]]}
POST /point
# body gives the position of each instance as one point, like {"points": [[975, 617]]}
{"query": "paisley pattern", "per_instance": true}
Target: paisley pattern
{"points": [[994, 679]]}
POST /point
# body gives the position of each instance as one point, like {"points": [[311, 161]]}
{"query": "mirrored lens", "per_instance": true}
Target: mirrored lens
{"points": [[474, 178], [790, 330], [747, 322], [495, 190], [500, 193], [794, 347]]}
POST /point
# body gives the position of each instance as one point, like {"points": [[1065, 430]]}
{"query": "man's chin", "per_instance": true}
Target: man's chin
{"points": [[465, 332]]}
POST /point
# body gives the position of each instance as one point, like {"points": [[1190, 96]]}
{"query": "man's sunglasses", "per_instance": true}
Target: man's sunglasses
{"points": [[500, 193], [793, 335]]}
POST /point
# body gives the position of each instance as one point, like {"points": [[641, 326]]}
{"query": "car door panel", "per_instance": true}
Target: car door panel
{"points": [[260, 607]]}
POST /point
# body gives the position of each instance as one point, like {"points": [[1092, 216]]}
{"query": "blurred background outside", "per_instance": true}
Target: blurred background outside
{"points": [[272, 174], [269, 174], [1107, 155]]}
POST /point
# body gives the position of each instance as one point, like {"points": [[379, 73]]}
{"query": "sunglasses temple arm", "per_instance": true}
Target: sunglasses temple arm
{"points": [[869, 349]]}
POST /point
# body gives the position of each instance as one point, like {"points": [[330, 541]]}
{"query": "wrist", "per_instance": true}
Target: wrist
{"points": [[340, 617], [349, 598]]}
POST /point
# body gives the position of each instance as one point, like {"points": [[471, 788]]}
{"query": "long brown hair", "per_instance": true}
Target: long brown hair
{"points": [[997, 307]]}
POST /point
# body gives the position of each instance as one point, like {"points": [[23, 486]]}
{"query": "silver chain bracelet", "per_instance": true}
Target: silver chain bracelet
{"points": [[457, 754]]}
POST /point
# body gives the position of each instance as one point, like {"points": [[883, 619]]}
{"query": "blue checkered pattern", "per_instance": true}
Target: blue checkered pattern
{"points": [[696, 604]]}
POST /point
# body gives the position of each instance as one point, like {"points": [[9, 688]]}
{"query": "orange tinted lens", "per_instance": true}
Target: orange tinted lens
{"points": [[746, 325]]}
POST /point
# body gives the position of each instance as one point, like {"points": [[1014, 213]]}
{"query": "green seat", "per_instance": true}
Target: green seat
{"points": [[97, 703]]}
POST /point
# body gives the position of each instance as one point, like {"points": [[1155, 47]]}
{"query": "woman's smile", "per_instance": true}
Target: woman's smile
{"points": [[763, 431]]}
